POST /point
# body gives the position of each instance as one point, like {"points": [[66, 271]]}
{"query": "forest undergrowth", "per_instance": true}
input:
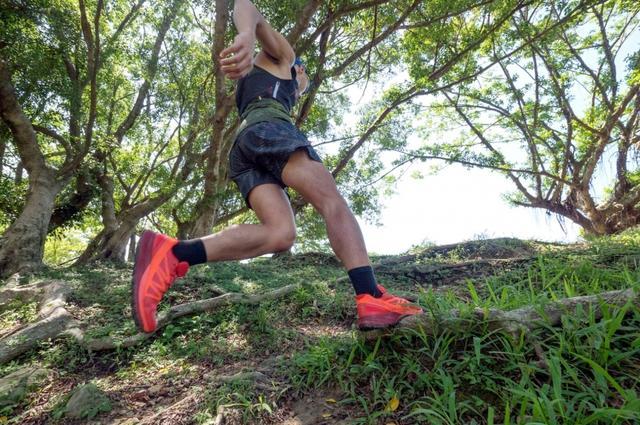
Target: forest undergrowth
{"points": [[298, 359]]}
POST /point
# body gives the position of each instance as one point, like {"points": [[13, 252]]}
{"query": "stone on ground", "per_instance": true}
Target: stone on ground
{"points": [[86, 402], [15, 386]]}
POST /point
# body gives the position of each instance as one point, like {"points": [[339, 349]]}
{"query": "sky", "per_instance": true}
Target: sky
{"points": [[457, 205]]}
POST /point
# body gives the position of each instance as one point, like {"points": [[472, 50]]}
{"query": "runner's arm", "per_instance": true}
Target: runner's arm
{"points": [[251, 25]]}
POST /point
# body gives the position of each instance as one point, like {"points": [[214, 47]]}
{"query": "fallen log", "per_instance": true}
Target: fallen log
{"points": [[55, 321]]}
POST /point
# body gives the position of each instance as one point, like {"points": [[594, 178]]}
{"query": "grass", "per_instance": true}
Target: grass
{"points": [[17, 313], [590, 376], [584, 372]]}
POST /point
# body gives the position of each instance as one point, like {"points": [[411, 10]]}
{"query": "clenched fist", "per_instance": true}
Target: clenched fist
{"points": [[237, 59]]}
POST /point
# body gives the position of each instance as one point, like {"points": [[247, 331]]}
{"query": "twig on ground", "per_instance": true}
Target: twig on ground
{"points": [[55, 320], [192, 399]]}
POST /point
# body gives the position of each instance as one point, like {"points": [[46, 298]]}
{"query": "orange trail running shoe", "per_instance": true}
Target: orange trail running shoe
{"points": [[155, 270], [383, 312], [390, 297]]}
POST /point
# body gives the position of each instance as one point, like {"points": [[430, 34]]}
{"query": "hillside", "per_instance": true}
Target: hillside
{"points": [[276, 343]]}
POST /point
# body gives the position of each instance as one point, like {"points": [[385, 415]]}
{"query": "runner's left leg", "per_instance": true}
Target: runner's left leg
{"points": [[375, 306], [156, 267]]}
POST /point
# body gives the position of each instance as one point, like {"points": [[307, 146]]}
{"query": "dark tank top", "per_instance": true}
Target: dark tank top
{"points": [[261, 96]]}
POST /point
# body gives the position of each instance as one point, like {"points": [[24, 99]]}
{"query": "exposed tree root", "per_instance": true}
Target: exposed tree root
{"points": [[260, 380], [188, 403], [53, 317], [240, 376], [12, 291], [505, 248], [516, 321], [223, 414], [194, 397], [54, 320]]}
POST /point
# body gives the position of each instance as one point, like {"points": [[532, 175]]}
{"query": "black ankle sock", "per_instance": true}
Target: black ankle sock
{"points": [[364, 282], [191, 251]]}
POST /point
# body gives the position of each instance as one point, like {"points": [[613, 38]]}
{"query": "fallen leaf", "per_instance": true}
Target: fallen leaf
{"points": [[393, 404]]}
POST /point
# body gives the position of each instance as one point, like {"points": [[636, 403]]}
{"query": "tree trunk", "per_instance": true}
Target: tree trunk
{"points": [[619, 218], [219, 146], [109, 245], [73, 208], [609, 218], [18, 176], [183, 230], [132, 248], [204, 222], [22, 244], [111, 242], [94, 246], [215, 182], [4, 137], [115, 246]]}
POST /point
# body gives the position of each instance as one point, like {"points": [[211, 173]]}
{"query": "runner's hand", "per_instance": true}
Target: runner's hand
{"points": [[237, 59]]}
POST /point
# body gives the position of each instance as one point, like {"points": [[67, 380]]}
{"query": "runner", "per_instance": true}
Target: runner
{"points": [[269, 154]]}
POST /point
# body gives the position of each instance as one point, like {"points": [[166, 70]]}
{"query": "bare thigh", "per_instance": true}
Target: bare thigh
{"points": [[272, 206], [310, 179]]}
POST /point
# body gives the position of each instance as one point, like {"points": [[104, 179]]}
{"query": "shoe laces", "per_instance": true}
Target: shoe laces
{"points": [[168, 275]]}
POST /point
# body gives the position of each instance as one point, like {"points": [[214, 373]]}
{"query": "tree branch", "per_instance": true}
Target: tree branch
{"points": [[490, 148], [302, 23], [21, 128], [375, 41], [187, 309], [152, 67], [51, 133], [348, 155]]}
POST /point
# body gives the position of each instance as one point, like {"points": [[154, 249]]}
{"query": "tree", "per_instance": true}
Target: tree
{"points": [[553, 115], [22, 243], [439, 43], [146, 163], [68, 50], [210, 209]]}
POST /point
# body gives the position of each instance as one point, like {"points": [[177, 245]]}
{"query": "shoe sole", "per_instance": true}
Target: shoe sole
{"points": [[381, 321], [138, 270]]}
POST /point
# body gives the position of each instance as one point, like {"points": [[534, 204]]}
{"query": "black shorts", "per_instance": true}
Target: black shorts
{"points": [[261, 151]]}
